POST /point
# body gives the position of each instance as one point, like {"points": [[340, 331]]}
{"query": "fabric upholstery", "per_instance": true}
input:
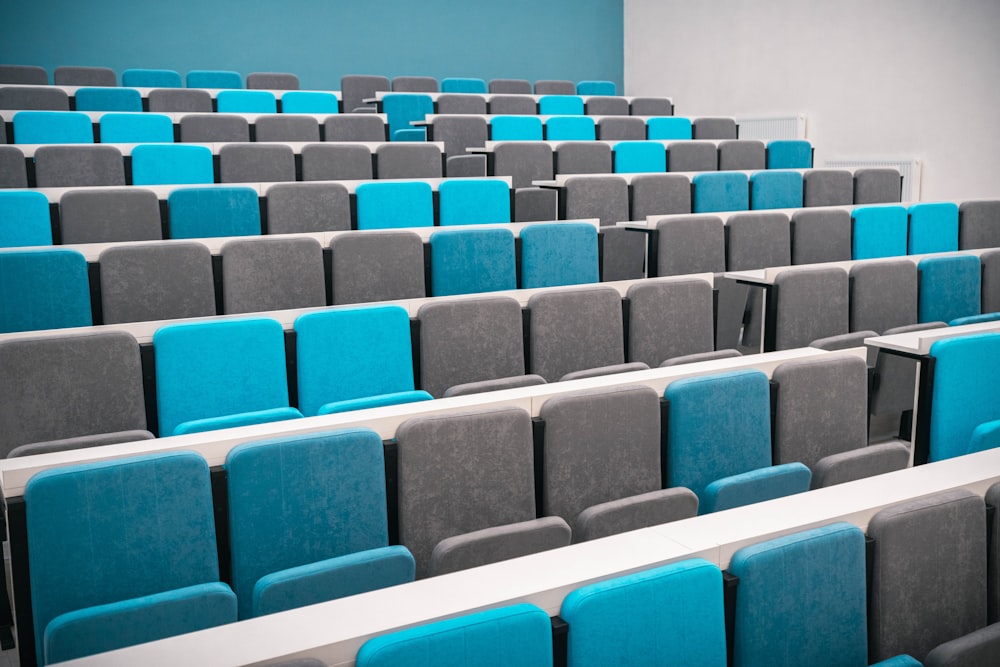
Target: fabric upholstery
{"points": [[309, 101], [334, 162], [993, 583], [52, 127], [213, 79], [308, 207], [559, 254], [554, 87], [80, 442], [272, 80], [402, 109], [498, 384], [462, 85], [690, 244], [512, 104], [34, 97], [207, 212], [354, 127], [860, 463], [215, 127], [490, 545], [631, 129], [602, 197], [377, 266], [583, 157], [669, 319], [604, 370], [714, 128], [379, 401], [13, 170], [66, 166], [448, 103], [107, 99], [286, 128], [408, 161], [136, 128], [468, 261], [569, 105], [260, 274], [700, 356], [877, 186], [516, 128], [24, 219], [775, 188], [473, 201], [726, 191], [827, 187], [414, 84], [24, 74], [151, 78], [570, 128], [516, 86], [168, 164], [535, 204], [256, 163], [179, 100], [979, 224], [933, 228], [895, 376], [883, 295], [789, 154], [692, 156], [523, 162], [595, 88], [667, 128], [651, 106], [949, 288], [639, 156], [757, 241], [388, 205], [43, 289], [811, 304], [820, 236], [756, 486], [741, 154], [659, 194], [460, 133], [976, 649], [635, 512], [356, 88]]}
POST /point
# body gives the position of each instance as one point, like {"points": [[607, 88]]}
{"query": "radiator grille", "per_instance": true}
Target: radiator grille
{"points": [[909, 169], [767, 128]]}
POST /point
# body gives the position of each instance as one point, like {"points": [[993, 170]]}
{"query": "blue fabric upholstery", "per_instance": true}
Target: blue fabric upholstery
{"points": [[933, 228], [570, 128], [389, 205], [165, 165], [789, 154], [206, 212], [43, 289], [121, 128], [401, 108], [985, 436], [206, 370], [878, 231], [298, 501], [233, 421], [468, 261], [949, 288], [305, 101], [801, 600], [719, 426], [756, 486], [411, 134], [352, 353], [139, 527], [559, 254], [53, 127], [379, 401], [24, 219], [668, 615], [151, 78], [720, 191], [206, 78], [108, 99], [458, 85], [672, 127], [974, 319], [515, 636], [775, 189], [516, 128], [639, 156], [898, 661], [569, 105], [246, 101], [965, 393], [596, 88], [473, 201]]}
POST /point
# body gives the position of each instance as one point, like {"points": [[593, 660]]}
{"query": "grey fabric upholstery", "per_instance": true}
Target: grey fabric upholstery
{"points": [[448, 481], [757, 241], [574, 330], [513, 105], [510, 86], [844, 341], [713, 128], [701, 356], [32, 75], [976, 649], [633, 129], [600, 371], [354, 127], [256, 163], [979, 224], [624, 254], [301, 662], [604, 197], [272, 81], [3, 132], [82, 442], [896, 376], [635, 512], [414, 84], [928, 575], [669, 319], [465, 166], [691, 156], [524, 162], [860, 463], [600, 445], [180, 100], [811, 304], [408, 160], [85, 76], [455, 103], [261, 274], [69, 386], [827, 187], [608, 106], [40, 98], [990, 285], [532, 204], [469, 340], [58, 166], [876, 186], [336, 162], [883, 295], [356, 88], [460, 132], [584, 157], [491, 545], [214, 127], [651, 106], [377, 266], [821, 236], [104, 216], [278, 127], [660, 194], [691, 244], [742, 154], [156, 281], [993, 498], [13, 171], [554, 87], [308, 207], [493, 385]]}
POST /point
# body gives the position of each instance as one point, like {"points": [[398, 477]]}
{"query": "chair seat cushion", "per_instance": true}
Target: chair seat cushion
{"points": [[95, 440], [492, 545], [232, 421], [395, 398], [756, 486], [605, 370]]}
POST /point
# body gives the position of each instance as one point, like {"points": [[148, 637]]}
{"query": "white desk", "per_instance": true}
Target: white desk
{"points": [[144, 91], [28, 150], [7, 115]]}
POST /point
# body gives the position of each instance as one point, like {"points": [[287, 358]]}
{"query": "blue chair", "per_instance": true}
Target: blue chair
{"points": [[559, 254], [596, 88], [151, 78], [24, 219], [175, 164], [633, 157], [516, 128], [43, 289], [129, 128], [108, 99], [403, 108], [560, 105], [721, 191], [299, 101], [473, 201], [468, 261], [391, 205], [775, 189], [203, 78], [933, 228], [146, 525], [246, 101], [974, 319], [515, 636], [458, 85], [329, 536], [668, 127], [789, 154], [210, 212], [949, 288], [354, 358], [878, 231], [668, 615], [212, 375], [570, 128], [53, 127]]}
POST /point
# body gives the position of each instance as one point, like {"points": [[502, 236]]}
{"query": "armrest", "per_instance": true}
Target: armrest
{"points": [[642, 511], [756, 486], [492, 545], [861, 463]]}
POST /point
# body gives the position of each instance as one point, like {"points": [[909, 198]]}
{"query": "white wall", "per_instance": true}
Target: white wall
{"points": [[875, 78]]}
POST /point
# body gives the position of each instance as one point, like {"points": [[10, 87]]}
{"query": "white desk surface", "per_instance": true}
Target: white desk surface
{"points": [[28, 150], [491, 146], [919, 342], [379, 94], [560, 179], [144, 91], [650, 221], [176, 116], [488, 117]]}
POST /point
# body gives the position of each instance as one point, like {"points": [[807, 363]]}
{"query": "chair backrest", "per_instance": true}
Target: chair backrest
{"points": [[336, 162], [209, 212], [286, 128], [105, 216], [460, 132], [136, 128], [507, 86], [596, 88], [789, 154], [355, 127], [214, 127], [990, 286], [559, 254], [401, 109], [692, 156], [523, 162], [43, 289], [690, 244], [713, 128], [883, 295], [660, 194], [757, 241], [667, 127], [669, 319], [878, 231], [639, 156], [603, 197], [108, 99], [516, 128], [377, 267], [24, 219], [723, 191], [583, 157], [260, 274], [168, 164], [512, 104], [607, 106], [949, 288], [308, 207], [52, 127], [775, 188], [651, 106], [554, 87], [631, 129], [467, 261], [41, 98], [408, 160], [827, 187], [69, 166], [246, 101], [388, 205], [473, 201], [569, 105], [570, 128], [979, 224], [877, 186], [205, 78], [151, 78], [85, 76], [356, 88], [811, 304], [309, 101], [13, 169], [414, 84], [933, 228], [272, 80], [179, 100], [820, 236], [256, 163], [24, 74], [735, 154], [463, 85]]}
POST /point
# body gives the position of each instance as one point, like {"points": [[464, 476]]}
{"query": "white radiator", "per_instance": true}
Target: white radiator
{"points": [[772, 127], [909, 169]]}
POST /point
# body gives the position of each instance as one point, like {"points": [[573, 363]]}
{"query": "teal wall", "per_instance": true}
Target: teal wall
{"points": [[321, 40]]}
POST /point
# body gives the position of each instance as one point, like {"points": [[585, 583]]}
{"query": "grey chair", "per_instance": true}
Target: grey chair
{"points": [[990, 285], [85, 76], [79, 390], [180, 100], [513, 105], [513, 382], [690, 244], [669, 319], [622, 129], [827, 187], [877, 186], [713, 128], [554, 87], [13, 169], [58, 166], [336, 162], [35, 98], [659, 194], [261, 274], [820, 236], [256, 163], [156, 281], [214, 127], [603, 197], [468, 341], [809, 304], [895, 376], [377, 266], [467, 492], [993, 498], [602, 474], [651, 106], [692, 156], [356, 88], [700, 356], [980, 648], [465, 166], [414, 84], [408, 160], [757, 241], [272, 81], [979, 224], [607, 106], [460, 133], [308, 207], [740, 154], [354, 127], [280, 127], [524, 162], [106, 216], [24, 74], [510, 86], [583, 157], [460, 103], [883, 295], [535, 204]]}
